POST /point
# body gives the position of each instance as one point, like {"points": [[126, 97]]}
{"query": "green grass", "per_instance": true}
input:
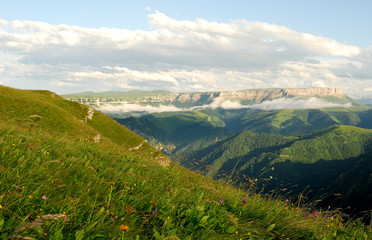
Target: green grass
{"points": [[58, 182]]}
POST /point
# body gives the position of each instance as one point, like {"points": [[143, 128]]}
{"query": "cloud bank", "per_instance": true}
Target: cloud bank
{"points": [[276, 104], [132, 108], [177, 55]]}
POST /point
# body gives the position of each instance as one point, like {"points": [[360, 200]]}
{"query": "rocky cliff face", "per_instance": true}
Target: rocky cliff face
{"points": [[256, 95], [248, 96]]}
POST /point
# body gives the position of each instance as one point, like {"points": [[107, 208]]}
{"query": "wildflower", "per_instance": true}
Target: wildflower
{"points": [[222, 201], [1, 206], [244, 201], [30, 196], [124, 228], [306, 214], [154, 211], [173, 207], [43, 197], [16, 187], [111, 183]]}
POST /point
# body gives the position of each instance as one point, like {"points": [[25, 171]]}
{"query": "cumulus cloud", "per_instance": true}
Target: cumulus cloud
{"points": [[178, 55]]}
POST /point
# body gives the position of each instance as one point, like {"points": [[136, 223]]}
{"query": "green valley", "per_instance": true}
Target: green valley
{"points": [[309, 148]]}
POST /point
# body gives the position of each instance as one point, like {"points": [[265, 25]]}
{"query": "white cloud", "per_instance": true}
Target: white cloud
{"points": [[296, 103], [197, 55], [276, 104], [127, 108]]}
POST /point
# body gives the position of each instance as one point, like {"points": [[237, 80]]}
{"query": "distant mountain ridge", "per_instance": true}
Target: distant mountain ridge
{"points": [[248, 96]]}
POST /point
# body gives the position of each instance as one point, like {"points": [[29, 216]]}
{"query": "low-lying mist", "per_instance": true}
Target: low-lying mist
{"points": [[276, 104]]}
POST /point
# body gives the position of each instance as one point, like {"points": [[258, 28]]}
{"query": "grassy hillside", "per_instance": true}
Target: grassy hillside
{"points": [[59, 180]]}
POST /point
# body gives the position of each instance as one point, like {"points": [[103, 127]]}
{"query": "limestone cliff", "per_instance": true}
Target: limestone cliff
{"points": [[256, 95], [247, 96]]}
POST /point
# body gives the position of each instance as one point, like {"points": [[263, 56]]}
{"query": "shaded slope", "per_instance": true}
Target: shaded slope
{"points": [[175, 130], [321, 162]]}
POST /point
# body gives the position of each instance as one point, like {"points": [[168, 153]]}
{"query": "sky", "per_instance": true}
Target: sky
{"points": [[74, 46]]}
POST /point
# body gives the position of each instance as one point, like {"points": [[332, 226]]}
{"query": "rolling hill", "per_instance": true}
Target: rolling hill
{"points": [[320, 162], [69, 172]]}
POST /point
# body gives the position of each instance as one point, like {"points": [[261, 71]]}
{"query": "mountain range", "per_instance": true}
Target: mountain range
{"points": [[187, 100]]}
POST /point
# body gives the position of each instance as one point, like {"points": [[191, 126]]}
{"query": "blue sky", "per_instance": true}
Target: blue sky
{"points": [[70, 46], [343, 20]]}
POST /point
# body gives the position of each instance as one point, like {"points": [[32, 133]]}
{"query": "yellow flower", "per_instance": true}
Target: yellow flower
{"points": [[30, 196], [124, 228], [1, 206]]}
